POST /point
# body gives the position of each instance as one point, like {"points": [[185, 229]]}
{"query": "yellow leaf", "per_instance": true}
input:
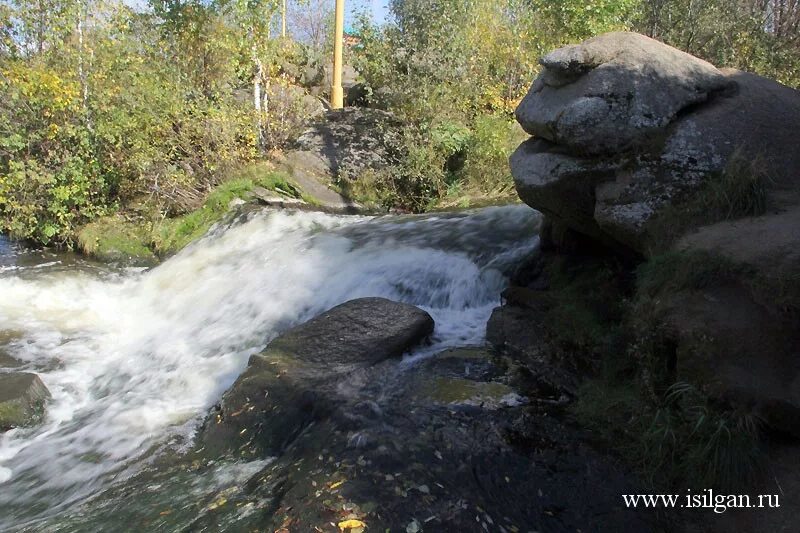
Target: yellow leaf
{"points": [[351, 524], [219, 503], [337, 484]]}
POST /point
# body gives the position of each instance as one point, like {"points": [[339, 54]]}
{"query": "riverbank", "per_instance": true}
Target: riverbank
{"points": [[141, 235]]}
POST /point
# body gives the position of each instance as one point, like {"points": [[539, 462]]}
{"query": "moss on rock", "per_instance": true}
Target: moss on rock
{"points": [[113, 239], [147, 237], [22, 400]]}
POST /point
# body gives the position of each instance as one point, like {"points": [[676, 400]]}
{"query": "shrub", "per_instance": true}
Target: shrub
{"points": [[493, 139], [50, 179]]}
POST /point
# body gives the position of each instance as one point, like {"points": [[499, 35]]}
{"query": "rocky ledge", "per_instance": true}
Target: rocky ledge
{"points": [[452, 442], [343, 436], [669, 277]]}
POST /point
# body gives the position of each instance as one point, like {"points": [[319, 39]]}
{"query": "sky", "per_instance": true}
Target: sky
{"points": [[379, 8]]}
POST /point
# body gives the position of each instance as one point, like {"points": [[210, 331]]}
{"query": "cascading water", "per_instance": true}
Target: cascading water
{"points": [[134, 359]]}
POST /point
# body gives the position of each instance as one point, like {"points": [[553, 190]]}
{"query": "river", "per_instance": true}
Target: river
{"points": [[134, 358]]}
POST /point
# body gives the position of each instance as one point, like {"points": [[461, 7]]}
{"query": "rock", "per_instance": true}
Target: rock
{"points": [[338, 148], [401, 448], [735, 349], [389, 449], [352, 140], [365, 330], [613, 91], [295, 101], [318, 78], [272, 199], [22, 400], [6, 361], [628, 128], [302, 374], [768, 245], [633, 136]]}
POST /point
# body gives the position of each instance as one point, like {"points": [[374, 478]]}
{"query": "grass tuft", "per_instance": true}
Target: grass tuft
{"points": [[692, 442], [674, 271], [113, 239], [739, 191], [173, 234]]}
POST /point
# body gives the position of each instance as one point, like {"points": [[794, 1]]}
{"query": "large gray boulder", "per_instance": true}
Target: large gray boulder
{"points": [[613, 91], [351, 140], [22, 399], [337, 148], [627, 127], [302, 375], [645, 149]]}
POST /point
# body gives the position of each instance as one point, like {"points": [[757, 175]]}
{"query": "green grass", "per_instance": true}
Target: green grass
{"points": [[173, 234], [113, 239], [739, 191], [691, 442], [674, 271], [147, 236], [680, 439]]}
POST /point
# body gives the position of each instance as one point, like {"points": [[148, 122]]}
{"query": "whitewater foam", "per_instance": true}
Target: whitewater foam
{"points": [[134, 359]]}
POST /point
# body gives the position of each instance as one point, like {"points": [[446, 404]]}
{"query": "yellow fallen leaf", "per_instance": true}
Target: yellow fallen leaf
{"points": [[337, 484], [351, 524], [216, 504]]}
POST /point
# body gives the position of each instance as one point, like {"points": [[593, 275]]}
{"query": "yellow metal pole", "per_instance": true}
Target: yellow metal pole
{"points": [[337, 95], [283, 20]]}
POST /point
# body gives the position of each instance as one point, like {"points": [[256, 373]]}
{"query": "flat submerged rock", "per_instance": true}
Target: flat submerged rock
{"points": [[22, 399]]}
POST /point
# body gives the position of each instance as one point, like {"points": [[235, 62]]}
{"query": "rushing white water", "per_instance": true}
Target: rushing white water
{"points": [[133, 358]]}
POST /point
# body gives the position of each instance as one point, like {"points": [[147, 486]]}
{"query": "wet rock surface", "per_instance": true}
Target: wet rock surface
{"points": [[464, 440], [446, 445], [301, 374], [6, 361], [22, 399]]}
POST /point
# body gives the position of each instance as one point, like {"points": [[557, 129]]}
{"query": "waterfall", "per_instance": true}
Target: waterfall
{"points": [[134, 358]]}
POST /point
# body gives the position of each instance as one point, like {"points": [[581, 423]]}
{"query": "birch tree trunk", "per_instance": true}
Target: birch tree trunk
{"points": [[257, 98]]}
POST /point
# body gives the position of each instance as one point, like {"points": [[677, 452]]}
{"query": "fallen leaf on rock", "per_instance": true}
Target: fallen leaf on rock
{"points": [[337, 484], [218, 503], [351, 524]]}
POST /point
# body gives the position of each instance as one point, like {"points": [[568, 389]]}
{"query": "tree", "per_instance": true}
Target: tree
{"points": [[311, 23], [44, 25], [757, 35]]}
